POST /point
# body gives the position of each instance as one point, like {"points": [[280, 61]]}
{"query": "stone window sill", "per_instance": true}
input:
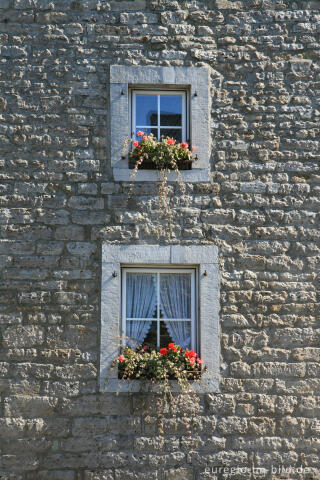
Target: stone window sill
{"points": [[194, 175], [206, 385]]}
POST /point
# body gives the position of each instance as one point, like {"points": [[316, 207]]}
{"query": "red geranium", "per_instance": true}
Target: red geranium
{"points": [[184, 145], [121, 358], [135, 143], [171, 141], [190, 354], [140, 133], [163, 351], [172, 346]]}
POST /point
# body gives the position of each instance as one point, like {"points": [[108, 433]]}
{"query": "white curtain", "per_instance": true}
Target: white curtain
{"points": [[141, 302], [175, 298]]}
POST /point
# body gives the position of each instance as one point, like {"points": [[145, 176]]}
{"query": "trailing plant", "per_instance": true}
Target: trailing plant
{"points": [[165, 156], [159, 369]]}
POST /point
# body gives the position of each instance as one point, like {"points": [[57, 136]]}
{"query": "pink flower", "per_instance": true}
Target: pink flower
{"points": [[199, 361], [140, 133], [121, 358], [184, 145], [144, 137], [193, 149], [192, 360], [171, 141], [135, 143]]}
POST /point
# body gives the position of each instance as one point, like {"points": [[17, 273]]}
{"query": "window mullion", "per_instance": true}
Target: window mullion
{"points": [[158, 310], [159, 117], [133, 115], [124, 309], [193, 312], [184, 119]]}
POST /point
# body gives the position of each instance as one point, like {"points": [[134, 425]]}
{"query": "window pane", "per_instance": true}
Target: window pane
{"points": [[147, 131], [136, 331], [170, 110], [146, 110], [180, 332], [141, 301], [175, 295], [172, 132], [151, 339], [165, 337]]}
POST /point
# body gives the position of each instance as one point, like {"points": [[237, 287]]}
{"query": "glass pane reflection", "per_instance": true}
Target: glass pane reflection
{"points": [[172, 132], [146, 110], [147, 131], [170, 110]]}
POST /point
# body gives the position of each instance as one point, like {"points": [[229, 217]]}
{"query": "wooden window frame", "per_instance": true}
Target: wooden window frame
{"points": [[158, 271], [185, 111]]}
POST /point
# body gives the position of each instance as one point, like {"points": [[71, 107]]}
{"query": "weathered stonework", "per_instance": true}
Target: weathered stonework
{"points": [[59, 203]]}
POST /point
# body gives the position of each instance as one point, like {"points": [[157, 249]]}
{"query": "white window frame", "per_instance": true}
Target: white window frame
{"points": [[194, 80], [204, 258], [158, 271], [184, 113]]}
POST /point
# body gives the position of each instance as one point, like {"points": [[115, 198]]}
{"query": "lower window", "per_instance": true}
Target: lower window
{"points": [[153, 295], [159, 307]]}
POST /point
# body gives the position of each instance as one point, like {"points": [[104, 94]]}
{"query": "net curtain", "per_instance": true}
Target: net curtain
{"points": [[141, 302], [175, 298]]}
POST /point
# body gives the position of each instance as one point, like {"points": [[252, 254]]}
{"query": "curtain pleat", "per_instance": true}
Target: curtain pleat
{"points": [[141, 302], [175, 298]]}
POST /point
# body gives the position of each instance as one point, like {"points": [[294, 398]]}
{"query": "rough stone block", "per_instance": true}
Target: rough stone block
{"points": [[91, 218], [29, 406], [99, 475], [87, 188], [178, 474], [232, 425], [70, 232], [84, 203], [84, 249], [52, 475], [23, 336], [278, 369], [70, 336], [109, 424]]}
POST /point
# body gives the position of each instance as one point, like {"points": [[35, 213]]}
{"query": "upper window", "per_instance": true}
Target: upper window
{"points": [[164, 101], [158, 307], [162, 113]]}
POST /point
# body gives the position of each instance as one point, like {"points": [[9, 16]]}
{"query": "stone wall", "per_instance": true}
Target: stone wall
{"points": [[59, 202]]}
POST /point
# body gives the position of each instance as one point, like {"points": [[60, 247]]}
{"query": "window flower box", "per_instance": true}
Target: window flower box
{"points": [[150, 165], [166, 154], [169, 370], [169, 363]]}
